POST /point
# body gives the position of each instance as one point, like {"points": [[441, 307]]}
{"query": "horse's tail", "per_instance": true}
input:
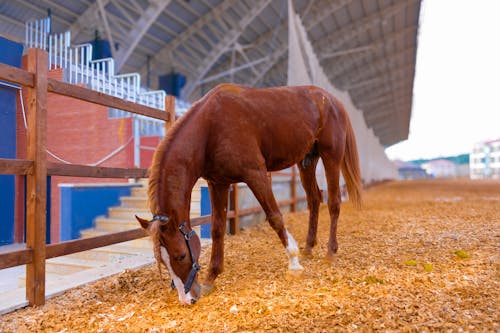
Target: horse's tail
{"points": [[350, 166]]}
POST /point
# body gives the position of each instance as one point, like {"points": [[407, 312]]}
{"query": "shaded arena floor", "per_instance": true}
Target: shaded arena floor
{"points": [[420, 256]]}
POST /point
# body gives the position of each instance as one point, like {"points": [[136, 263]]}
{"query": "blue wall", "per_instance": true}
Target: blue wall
{"points": [[10, 54], [205, 209], [80, 205]]}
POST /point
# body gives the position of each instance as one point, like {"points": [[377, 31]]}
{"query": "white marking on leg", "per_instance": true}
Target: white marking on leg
{"points": [[183, 297], [292, 251]]}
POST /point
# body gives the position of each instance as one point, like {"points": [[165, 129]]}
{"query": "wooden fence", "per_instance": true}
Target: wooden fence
{"points": [[36, 168]]}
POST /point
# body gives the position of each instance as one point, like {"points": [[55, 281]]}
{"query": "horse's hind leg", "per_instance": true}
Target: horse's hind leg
{"points": [[218, 199], [331, 161], [310, 185], [261, 187]]}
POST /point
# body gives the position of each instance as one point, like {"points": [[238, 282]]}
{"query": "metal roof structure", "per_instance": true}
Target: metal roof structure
{"points": [[367, 47]]}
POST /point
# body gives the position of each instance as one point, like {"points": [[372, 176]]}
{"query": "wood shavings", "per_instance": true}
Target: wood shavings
{"points": [[367, 288]]}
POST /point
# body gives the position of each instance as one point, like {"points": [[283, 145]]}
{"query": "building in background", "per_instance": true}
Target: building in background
{"points": [[409, 170], [441, 168], [485, 160], [446, 167]]}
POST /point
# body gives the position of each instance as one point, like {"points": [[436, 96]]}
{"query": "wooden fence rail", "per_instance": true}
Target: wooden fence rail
{"points": [[36, 168]]}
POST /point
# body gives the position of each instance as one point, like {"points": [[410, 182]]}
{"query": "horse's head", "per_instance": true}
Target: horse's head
{"points": [[178, 248]]}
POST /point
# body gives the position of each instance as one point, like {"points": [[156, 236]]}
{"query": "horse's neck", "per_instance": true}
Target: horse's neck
{"points": [[177, 178]]}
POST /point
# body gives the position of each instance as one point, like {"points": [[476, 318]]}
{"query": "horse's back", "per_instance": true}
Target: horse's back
{"points": [[280, 124]]}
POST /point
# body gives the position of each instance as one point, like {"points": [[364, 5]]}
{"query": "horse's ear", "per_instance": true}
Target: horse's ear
{"points": [[144, 223]]}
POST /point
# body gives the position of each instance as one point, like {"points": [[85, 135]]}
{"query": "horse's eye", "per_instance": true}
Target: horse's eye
{"points": [[181, 258]]}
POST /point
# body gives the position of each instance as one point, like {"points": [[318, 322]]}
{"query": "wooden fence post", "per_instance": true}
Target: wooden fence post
{"points": [[36, 197], [293, 189], [170, 109], [234, 206]]}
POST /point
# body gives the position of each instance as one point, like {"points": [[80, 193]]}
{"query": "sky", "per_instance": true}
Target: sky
{"points": [[456, 93]]}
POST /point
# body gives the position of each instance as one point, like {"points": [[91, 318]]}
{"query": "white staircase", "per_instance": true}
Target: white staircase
{"points": [[121, 218]]}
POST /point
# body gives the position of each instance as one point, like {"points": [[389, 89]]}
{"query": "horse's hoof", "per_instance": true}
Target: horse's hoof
{"points": [[306, 253], [206, 289], [329, 258], [294, 273]]}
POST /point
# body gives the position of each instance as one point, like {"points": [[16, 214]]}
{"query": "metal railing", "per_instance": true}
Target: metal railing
{"points": [[37, 32], [80, 68]]}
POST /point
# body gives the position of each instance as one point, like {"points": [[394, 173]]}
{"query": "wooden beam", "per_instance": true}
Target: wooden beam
{"points": [[96, 97], [195, 221], [170, 109], [36, 195], [15, 258], [15, 167], [84, 244], [78, 170], [16, 75]]}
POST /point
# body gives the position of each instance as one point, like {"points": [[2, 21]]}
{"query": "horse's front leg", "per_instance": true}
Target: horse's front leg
{"points": [[218, 200], [261, 187]]}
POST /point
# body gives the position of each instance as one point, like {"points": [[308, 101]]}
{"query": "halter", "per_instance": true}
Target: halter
{"points": [[195, 268], [187, 236]]}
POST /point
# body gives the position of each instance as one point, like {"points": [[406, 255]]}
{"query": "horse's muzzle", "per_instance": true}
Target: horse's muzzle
{"points": [[195, 292]]}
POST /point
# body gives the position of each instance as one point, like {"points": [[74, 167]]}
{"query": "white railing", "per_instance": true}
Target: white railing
{"points": [[78, 71], [36, 33], [59, 47], [80, 68]]}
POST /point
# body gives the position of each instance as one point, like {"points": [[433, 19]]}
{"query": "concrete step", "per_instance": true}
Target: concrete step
{"points": [[196, 195], [65, 265], [143, 181], [143, 243], [194, 210], [143, 192], [92, 232], [116, 224], [129, 212], [113, 253], [135, 202], [139, 192], [56, 283]]}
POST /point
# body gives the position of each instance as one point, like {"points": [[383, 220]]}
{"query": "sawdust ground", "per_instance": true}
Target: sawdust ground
{"points": [[421, 256]]}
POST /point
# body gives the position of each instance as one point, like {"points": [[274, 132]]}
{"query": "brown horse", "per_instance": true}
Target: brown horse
{"points": [[238, 134]]}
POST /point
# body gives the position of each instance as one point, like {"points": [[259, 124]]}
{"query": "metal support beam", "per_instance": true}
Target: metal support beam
{"points": [[348, 33], [335, 54], [222, 46], [212, 19], [102, 11], [346, 64], [135, 34], [88, 18], [233, 70]]}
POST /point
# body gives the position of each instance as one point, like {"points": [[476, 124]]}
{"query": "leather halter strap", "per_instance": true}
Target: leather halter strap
{"points": [[187, 236], [195, 267]]}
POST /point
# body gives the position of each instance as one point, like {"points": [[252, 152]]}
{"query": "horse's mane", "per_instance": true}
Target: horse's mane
{"points": [[155, 184], [154, 170], [156, 165], [154, 231]]}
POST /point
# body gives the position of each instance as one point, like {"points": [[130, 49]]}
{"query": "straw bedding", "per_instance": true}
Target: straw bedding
{"points": [[421, 256]]}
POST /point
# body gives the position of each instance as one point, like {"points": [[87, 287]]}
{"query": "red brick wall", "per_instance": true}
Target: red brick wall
{"points": [[81, 133], [147, 154]]}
